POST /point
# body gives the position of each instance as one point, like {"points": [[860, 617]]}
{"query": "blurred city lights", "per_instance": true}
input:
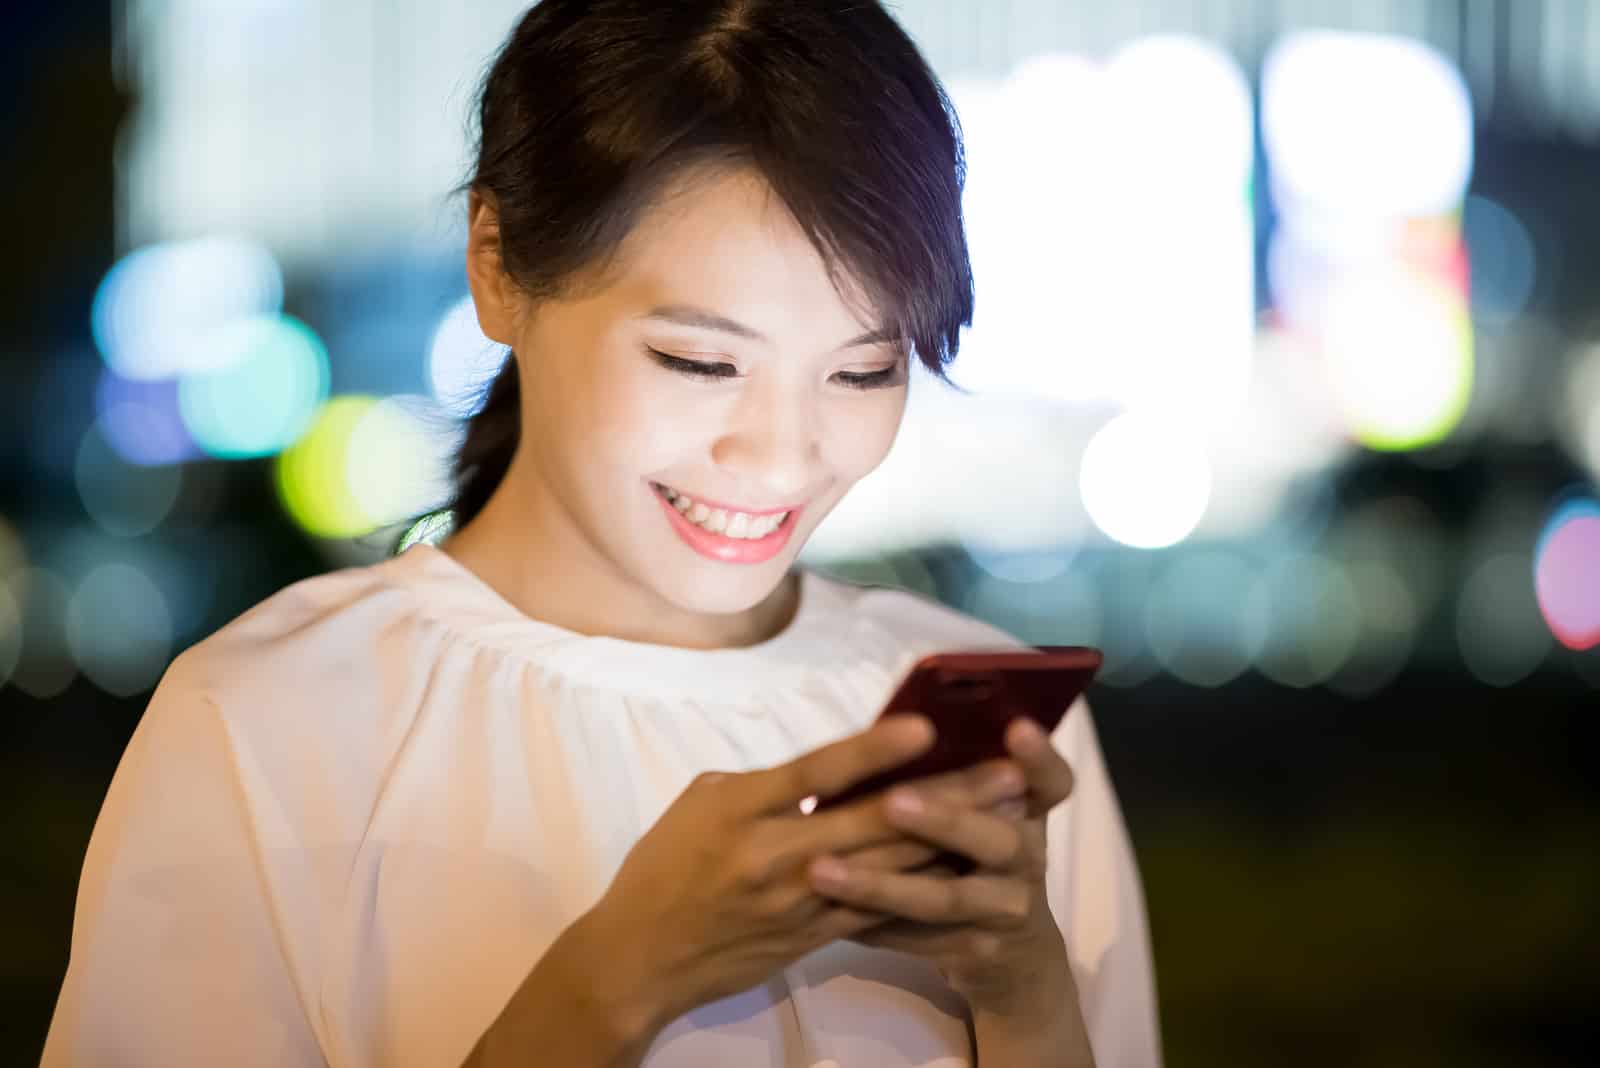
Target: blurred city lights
{"points": [[397, 466], [1498, 627], [1503, 260], [1206, 619], [1394, 140], [119, 629], [1145, 482], [1399, 353], [10, 633], [46, 667], [1567, 574], [124, 499], [1389, 618], [141, 420], [1064, 609], [314, 475], [462, 361], [1581, 419], [1126, 579], [264, 396], [155, 312], [1315, 620], [1367, 261], [1111, 190]]}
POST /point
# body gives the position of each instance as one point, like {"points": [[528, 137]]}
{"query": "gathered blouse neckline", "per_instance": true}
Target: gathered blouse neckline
{"points": [[822, 633]]}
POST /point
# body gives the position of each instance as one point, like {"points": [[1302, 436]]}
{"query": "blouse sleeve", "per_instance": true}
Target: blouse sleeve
{"points": [[1092, 885], [175, 955]]}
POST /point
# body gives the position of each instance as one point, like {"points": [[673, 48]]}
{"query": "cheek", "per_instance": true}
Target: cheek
{"points": [[859, 435], [645, 427]]}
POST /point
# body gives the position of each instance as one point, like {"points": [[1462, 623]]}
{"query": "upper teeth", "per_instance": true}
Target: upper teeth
{"points": [[719, 521]]}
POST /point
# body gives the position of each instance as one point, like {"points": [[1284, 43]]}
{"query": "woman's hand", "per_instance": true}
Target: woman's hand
{"points": [[991, 932], [714, 897]]}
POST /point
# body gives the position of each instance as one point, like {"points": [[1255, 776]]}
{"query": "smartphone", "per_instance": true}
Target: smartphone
{"points": [[971, 697]]}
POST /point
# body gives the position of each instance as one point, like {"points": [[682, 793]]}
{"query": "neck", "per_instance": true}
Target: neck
{"points": [[533, 555]]}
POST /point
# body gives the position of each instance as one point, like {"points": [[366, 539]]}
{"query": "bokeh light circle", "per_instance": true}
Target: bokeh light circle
{"points": [[1567, 574], [1389, 616], [1205, 618], [119, 629], [313, 475], [1315, 620], [462, 361], [1062, 610], [10, 633], [397, 467], [46, 667], [1503, 258], [141, 420], [265, 396], [1399, 356], [1145, 481], [124, 499], [1394, 141], [155, 311], [1498, 627]]}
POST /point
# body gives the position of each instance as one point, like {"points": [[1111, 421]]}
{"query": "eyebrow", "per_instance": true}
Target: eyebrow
{"points": [[689, 315]]}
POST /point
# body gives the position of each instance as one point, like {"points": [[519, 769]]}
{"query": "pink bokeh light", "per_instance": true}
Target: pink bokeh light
{"points": [[1567, 574]]}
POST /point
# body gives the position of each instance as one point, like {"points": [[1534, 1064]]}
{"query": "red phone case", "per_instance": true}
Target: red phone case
{"points": [[971, 697]]}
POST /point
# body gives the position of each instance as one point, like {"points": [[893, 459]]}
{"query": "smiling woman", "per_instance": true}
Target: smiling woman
{"points": [[535, 794]]}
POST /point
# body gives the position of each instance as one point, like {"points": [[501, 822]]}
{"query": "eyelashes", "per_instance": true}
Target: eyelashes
{"points": [[709, 370]]}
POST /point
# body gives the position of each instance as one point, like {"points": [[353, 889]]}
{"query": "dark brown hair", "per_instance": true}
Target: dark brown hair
{"points": [[593, 107]]}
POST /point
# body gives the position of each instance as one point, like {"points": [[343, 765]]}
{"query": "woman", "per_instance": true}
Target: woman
{"points": [[533, 796]]}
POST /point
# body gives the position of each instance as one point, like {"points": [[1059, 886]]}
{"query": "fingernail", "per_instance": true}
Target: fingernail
{"points": [[1032, 736], [906, 802], [911, 730], [830, 870], [1003, 781]]}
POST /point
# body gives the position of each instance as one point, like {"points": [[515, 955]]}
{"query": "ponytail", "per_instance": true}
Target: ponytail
{"points": [[491, 441]]}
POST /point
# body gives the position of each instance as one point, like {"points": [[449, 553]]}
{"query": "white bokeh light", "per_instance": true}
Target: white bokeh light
{"points": [[156, 309], [1095, 194], [461, 360], [1145, 481], [1399, 356], [398, 460], [1365, 124]]}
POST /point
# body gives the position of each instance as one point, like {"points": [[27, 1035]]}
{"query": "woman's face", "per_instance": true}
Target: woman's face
{"points": [[765, 400]]}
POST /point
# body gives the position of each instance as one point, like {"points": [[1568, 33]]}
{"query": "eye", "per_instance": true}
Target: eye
{"points": [[889, 376], [693, 368]]}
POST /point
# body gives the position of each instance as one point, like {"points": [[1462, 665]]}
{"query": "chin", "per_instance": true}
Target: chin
{"points": [[727, 589]]}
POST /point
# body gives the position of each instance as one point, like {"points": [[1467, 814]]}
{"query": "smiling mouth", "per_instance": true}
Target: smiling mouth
{"points": [[725, 522]]}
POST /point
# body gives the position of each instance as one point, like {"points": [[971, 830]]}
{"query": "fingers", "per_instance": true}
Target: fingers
{"points": [[991, 840], [1048, 775], [976, 787], [992, 900], [827, 771], [863, 825]]}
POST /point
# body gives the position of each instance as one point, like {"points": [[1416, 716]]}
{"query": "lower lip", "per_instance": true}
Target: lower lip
{"points": [[727, 550]]}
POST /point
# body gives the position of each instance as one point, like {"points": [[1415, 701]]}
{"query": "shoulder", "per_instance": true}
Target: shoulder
{"points": [[308, 631], [326, 657]]}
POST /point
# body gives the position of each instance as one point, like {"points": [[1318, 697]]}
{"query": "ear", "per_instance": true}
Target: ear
{"points": [[493, 293]]}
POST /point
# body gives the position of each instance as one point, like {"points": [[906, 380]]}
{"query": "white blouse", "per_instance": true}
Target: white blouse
{"points": [[351, 821]]}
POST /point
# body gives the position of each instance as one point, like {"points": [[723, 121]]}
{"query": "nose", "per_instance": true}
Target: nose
{"points": [[773, 446]]}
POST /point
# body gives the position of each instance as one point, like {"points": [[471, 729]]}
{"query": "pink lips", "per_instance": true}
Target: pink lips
{"points": [[725, 549]]}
